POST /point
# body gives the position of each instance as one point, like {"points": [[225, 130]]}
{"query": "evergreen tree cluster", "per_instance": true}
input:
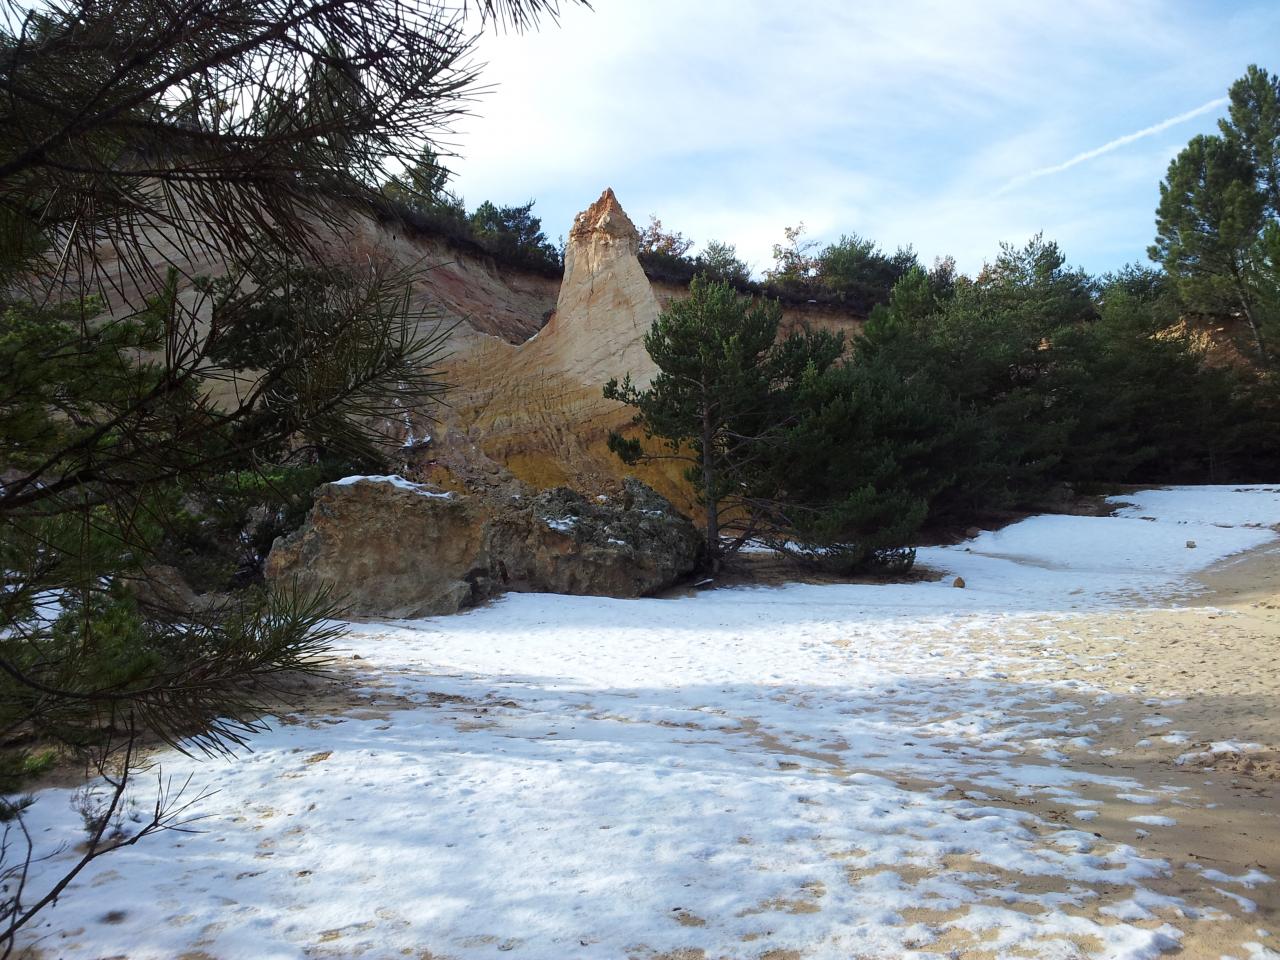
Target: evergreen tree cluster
{"points": [[420, 196], [851, 274], [962, 396], [665, 256], [1006, 391]]}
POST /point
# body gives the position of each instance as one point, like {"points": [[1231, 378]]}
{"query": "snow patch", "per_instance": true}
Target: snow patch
{"points": [[553, 776], [396, 481]]}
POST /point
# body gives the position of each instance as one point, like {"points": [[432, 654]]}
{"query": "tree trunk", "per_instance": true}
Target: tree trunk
{"points": [[1257, 331], [708, 485]]}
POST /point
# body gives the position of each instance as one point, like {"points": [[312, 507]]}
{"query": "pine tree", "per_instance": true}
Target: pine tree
{"points": [[1253, 125], [720, 262], [171, 324], [711, 351], [1218, 222], [1208, 224], [424, 187], [856, 469]]}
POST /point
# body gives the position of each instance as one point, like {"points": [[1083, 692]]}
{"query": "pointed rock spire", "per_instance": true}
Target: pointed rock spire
{"points": [[606, 303], [605, 219]]}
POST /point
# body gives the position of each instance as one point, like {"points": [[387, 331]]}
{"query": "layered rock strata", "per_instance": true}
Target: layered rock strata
{"points": [[537, 407]]}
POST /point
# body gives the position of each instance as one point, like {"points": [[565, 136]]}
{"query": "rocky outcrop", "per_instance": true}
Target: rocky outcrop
{"points": [[537, 408], [606, 303], [391, 548], [387, 547], [534, 406], [527, 354], [561, 542]]}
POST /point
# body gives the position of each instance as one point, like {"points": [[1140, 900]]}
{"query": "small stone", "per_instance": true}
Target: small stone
{"points": [[958, 582], [1191, 544]]}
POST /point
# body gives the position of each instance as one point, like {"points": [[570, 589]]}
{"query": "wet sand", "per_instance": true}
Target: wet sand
{"points": [[1189, 700]]}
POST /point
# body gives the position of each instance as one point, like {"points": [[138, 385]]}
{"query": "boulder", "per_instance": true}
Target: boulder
{"points": [[393, 548], [387, 547], [562, 542]]}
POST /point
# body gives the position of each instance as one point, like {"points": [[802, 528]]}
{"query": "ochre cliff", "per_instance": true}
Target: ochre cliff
{"points": [[535, 408], [527, 354]]}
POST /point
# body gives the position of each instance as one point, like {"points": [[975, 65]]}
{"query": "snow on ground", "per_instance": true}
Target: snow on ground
{"points": [[839, 770], [1155, 540]]}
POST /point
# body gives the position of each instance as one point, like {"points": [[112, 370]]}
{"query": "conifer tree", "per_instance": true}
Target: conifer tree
{"points": [[710, 396], [1218, 222], [1253, 124], [1208, 227], [172, 178]]}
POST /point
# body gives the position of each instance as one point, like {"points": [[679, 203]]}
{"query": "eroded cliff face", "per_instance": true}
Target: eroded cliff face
{"points": [[534, 408], [528, 355], [479, 298], [606, 302]]}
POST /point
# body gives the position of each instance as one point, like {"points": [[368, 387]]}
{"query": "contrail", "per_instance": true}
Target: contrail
{"points": [[1115, 144]]}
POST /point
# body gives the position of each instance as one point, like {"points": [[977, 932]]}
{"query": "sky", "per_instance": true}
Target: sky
{"points": [[948, 126]]}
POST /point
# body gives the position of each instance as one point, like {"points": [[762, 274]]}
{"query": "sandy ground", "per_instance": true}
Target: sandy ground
{"points": [[1205, 673]]}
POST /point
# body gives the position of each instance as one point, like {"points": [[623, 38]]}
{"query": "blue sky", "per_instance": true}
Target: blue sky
{"points": [[948, 126]]}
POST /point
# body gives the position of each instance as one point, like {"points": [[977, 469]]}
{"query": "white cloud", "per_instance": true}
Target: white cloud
{"points": [[1115, 144], [905, 123]]}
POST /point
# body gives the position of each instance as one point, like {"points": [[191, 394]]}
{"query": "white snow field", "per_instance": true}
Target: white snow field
{"points": [[748, 771]]}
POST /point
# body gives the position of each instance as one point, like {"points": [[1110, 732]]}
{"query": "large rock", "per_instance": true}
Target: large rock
{"points": [[392, 548], [387, 547], [606, 303], [562, 542]]}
